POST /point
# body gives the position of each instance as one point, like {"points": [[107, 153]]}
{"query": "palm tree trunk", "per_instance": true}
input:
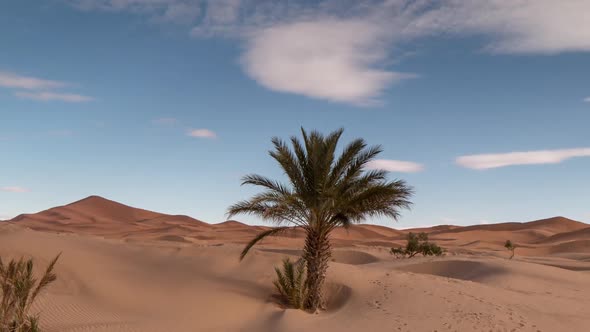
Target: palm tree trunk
{"points": [[316, 253]]}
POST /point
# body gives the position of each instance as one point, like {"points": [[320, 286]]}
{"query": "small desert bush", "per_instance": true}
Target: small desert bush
{"points": [[510, 246], [19, 289], [290, 283], [417, 244]]}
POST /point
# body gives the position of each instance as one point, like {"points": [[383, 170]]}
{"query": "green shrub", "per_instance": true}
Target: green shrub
{"points": [[430, 249], [19, 289], [417, 244], [291, 283], [398, 252]]}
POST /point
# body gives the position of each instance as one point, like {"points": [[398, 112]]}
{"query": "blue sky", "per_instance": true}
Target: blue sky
{"points": [[482, 106]]}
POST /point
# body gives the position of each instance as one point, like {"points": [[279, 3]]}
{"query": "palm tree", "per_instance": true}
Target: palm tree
{"points": [[324, 191]]}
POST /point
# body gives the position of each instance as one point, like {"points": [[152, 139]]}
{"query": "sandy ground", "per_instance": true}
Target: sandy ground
{"points": [[134, 270]]}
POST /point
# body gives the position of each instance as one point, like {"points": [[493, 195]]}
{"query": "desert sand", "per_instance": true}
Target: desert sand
{"points": [[127, 269]]}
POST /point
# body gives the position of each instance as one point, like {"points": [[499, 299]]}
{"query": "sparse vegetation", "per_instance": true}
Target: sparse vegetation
{"points": [[290, 283], [510, 246], [19, 289], [417, 244], [325, 191]]}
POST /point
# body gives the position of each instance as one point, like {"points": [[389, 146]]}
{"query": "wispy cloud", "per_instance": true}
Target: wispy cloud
{"points": [[175, 11], [342, 50], [11, 80], [487, 161], [587, 99], [52, 96], [395, 166], [37, 88], [520, 26], [14, 189], [202, 133]]}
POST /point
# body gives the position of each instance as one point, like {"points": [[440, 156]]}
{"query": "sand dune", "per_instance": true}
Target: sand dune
{"points": [[126, 269], [99, 216], [554, 225], [580, 234], [110, 285]]}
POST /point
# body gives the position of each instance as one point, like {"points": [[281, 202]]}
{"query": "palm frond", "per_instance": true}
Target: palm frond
{"points": [[288, 162], [346, 158], [48, 277], [356, 167], [261, 181], [290, 283], [19, 289], [260, 236]]}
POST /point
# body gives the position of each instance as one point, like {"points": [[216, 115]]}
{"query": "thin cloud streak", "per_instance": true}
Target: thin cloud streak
{"points": [[395, 166], [202, 133], [14, 81], [14, 189], [488, 161], [38, 89], [52, 96]]}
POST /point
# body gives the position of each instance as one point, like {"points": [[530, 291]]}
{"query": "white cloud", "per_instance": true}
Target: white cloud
{"points": [[14, 189], [52, 96], [342, 50], [336, 50], [587, 100], [202, 133], [337, 60], [11, 80], [487, 161], [395, 166]]}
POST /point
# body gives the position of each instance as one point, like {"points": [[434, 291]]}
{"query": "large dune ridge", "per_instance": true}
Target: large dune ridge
{"points": [[128, 269]]}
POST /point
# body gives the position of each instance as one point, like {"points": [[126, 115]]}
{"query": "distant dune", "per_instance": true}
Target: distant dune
{"points": [[551, 225], [232, 224], [98, 216]]}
